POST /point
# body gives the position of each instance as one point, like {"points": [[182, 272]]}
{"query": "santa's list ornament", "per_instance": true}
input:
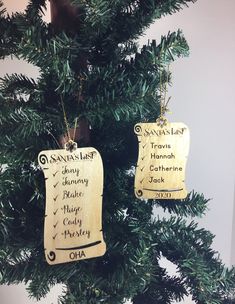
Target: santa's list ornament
{"points": [[163, 151], [73, 216]]}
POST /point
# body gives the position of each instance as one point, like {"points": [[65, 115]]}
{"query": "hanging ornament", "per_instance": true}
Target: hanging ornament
{"points": [[73, 213], [73, 216], [163, 152]]}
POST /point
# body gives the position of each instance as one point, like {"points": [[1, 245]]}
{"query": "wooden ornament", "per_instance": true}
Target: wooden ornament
{"points": [[73, 216], [163, 151]]}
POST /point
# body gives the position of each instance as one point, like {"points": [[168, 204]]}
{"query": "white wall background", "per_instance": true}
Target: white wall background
{"points": [[203, 98]]}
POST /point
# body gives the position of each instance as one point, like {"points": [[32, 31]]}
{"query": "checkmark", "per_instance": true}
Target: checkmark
{"points": [[55, 236], [142, 181], [55, 184], [144, 146], [142, 169], [56, 224], [142, 158], [54, 174], [55, 198], [54, 212]]}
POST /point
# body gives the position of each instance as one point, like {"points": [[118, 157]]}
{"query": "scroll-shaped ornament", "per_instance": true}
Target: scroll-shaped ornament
{"points": [[73, 216], [163, 152]]}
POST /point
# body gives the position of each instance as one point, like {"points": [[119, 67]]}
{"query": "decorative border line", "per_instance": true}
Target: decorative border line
{"points": [[162, 190], [81, 247]]}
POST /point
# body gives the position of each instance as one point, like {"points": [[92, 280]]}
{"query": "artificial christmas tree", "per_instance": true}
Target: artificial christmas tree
{"points": [[93, 74]]}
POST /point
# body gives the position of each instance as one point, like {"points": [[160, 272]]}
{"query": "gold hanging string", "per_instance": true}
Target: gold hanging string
{"points": [[162, 121], [163, 93], [165, 102], [81, 78], [65, 118], [71, 144], [160, 93], [56, 141], [75, 128]]}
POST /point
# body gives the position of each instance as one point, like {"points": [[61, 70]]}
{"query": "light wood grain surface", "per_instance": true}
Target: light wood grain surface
{"points": [[73, 214], [163, 151]]}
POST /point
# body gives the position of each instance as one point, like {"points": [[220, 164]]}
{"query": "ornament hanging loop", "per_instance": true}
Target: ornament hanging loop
{"points": [[164, 101], [162, 121], [164, 106], [70, 145]]}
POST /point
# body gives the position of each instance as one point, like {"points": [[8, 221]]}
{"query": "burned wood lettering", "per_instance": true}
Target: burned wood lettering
{"points": [[163, 151], [74, 188]]}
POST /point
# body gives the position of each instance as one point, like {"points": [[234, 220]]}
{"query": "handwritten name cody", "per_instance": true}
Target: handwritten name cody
{"points": [[72, 212], [70, 177], [70, 188], [69, 210]]}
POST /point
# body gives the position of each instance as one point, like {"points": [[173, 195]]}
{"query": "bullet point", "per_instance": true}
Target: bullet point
{"points": [[55, 184], [54, 174]]}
